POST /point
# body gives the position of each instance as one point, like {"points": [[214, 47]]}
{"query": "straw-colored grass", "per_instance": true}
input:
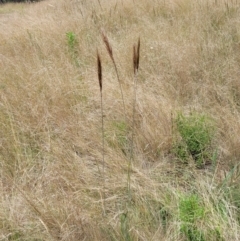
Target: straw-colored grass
{"points": [[51, 147]]}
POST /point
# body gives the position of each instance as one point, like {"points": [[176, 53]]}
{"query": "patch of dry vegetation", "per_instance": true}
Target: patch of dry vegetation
{"points": [[51, 153]]}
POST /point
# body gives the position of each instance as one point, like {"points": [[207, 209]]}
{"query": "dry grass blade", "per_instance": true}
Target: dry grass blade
{"points": [[99, 68]]}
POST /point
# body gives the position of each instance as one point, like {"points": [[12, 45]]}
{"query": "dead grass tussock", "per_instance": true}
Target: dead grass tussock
{"points": [[51, 146]]}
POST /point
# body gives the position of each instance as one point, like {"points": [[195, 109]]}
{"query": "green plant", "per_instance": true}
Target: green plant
{"points": [[72, 41], [191, 211], [72, 46], [190, 208], [125, 230], [196, 134], [192, 233]]}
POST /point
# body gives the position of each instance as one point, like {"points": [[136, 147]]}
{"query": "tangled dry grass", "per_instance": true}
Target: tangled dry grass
{"points": [[51, 120]]}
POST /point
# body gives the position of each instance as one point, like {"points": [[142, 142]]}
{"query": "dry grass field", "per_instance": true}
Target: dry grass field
{"points": [[158, 158]]}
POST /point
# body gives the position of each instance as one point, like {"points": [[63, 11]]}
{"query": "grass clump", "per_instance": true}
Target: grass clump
{"points": [[194, 216], [196, 134], [190, 212], [190, 209]]}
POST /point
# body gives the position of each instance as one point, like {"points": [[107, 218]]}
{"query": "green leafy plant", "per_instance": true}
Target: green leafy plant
{"points": [[191, 214], [190, 208], [196, 134], [190, 211], [72, 46], [72, 41]]}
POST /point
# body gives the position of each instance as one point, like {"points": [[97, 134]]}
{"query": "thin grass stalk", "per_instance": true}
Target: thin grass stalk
{"points": [[99, 2], [99, 67], [110, 52], [136, 58]]}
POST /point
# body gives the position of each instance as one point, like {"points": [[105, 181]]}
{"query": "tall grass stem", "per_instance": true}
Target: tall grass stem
{"points": [[110, 52], [136, 58], [99, 67]]}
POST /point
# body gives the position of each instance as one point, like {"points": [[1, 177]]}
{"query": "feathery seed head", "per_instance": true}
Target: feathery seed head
{"points": [[136, 56], [107, 44]]}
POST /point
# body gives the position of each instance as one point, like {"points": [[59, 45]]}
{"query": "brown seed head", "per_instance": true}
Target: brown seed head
{"points": [[134, 59], [138, 53], [107, 44], [99, 68], [136, 56]]}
